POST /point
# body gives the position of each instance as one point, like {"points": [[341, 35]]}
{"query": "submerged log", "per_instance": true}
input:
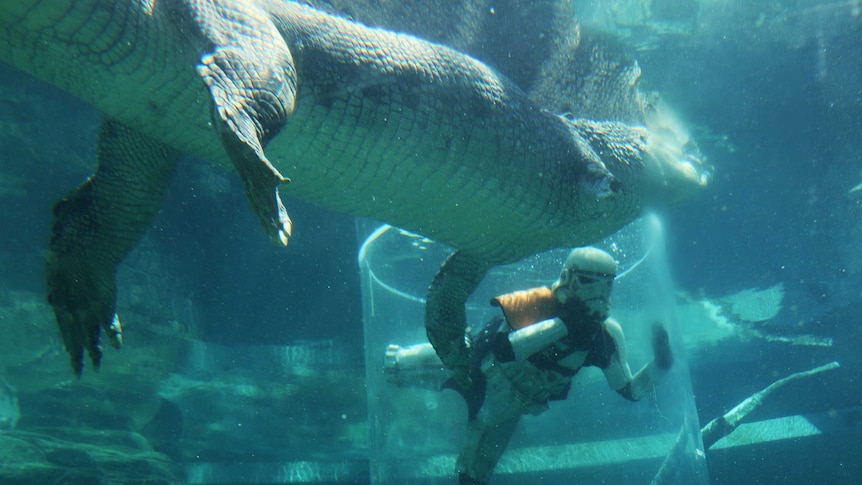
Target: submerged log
{"points": [[723, 425]]}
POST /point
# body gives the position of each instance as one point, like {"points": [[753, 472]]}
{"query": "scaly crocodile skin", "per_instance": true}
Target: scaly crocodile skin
{"points": [[364, 121]]}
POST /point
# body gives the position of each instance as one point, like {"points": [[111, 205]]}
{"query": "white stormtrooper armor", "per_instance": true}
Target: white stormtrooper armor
{"points": [[531, 357], [588, 275]]}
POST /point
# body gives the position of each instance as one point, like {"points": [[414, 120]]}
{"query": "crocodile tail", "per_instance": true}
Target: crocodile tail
{"points": [[446, 314]]}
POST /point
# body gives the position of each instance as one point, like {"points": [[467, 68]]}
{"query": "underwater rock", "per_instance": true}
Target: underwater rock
{"points": [[32, 359], [12, 186], [73, 455], [304, 401], [753, 305], [10, 413], [741, 316], [26, 362], [165, 429]]}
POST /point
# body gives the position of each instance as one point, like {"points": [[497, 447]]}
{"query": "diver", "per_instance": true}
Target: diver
{"points": [[527, 358]]}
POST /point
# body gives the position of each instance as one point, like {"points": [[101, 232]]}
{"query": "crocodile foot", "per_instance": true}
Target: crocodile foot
{"points": [[243, 127], [252, 81], [80, 277], [83, 303]]}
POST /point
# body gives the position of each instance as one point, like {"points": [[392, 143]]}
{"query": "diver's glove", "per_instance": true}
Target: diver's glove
{"points": [[663, 355], [651, 374], [501, 346]]}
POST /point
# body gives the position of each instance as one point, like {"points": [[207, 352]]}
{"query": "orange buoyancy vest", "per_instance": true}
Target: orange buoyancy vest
{"points": [[524, 308]]}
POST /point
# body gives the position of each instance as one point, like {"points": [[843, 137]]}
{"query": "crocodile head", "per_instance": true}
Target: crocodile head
{"points": [[674, 168], [654, 165], [631, 169]]}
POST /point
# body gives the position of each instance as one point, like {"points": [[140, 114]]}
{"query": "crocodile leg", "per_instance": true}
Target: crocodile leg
{"points": [[446, 314], [252, 81], [95, 227]]}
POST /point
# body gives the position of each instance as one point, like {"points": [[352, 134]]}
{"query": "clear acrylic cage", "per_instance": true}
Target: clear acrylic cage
{"points": [[594, 435]]}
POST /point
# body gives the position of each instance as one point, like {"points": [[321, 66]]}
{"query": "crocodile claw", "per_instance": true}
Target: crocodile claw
{"points": [[237, 127], [261, 190], [83, 303]]}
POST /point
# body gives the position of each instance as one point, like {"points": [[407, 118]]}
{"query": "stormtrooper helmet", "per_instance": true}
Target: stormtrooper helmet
{"points": [[587, 276]]}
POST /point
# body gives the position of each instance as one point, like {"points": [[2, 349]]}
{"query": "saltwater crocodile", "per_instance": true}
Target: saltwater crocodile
{"points": [[365, 121]]}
